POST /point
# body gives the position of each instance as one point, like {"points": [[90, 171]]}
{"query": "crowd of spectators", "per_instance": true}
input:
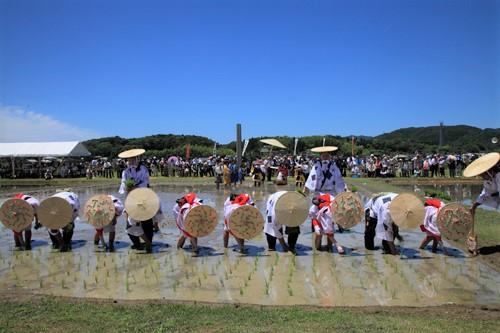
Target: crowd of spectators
{"points": [[225, 169]]}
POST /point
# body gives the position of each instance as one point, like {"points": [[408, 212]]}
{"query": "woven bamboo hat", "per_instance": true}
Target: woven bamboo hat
{"points": [[246, 222], [347, 209], [99, 210], [454, 221], [142, 204], [16, 214], [55, 213], [131, 153], [324, 149], [482, 164], [201, 221], [407, 211], [291, 209]]}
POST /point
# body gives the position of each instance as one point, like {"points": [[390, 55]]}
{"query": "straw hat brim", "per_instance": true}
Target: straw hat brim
{"points": [[347, 209], [99, 210], [131, 153], [325, 149], [201, 221], [291, 209], [246, 222], [482, 164], [55, 213], [407, 211], [142, 204], [16, 214], [454, 221]]}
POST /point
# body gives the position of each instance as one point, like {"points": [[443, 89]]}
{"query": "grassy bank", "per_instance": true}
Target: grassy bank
{"points": [[62, 315]]}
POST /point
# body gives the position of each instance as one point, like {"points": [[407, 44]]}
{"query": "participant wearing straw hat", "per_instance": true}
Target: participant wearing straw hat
{"points": [[25, 243], [486, 167], [115, 208], [325, 176], [142, 212], [136, 175], [322, 221], [429, 226], [287, 209], [61, 237], [181, 209], [379, 211], [233, 202]]}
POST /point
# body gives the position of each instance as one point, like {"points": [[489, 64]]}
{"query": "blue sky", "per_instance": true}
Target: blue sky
{"points": [[79, 69]]}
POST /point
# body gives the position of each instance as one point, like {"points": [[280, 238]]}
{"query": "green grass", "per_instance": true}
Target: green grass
{"points": [[59, 315]]}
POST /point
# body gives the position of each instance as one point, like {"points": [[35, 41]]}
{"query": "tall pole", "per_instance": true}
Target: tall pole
{"points": [[238, 145]]}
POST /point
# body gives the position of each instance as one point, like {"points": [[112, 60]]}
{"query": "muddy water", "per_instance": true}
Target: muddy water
{"points": [[416, 278]]}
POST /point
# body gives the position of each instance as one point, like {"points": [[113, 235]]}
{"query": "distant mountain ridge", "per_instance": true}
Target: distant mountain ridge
{"points": [[457, 138]]}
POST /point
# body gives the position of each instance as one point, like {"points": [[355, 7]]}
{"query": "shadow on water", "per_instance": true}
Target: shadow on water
{"points": [[38, 242], [78, 243], [487, 250], [411, 254]]}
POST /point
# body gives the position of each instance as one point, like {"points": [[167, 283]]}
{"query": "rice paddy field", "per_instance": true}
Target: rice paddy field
{"points": [[261, 291]]}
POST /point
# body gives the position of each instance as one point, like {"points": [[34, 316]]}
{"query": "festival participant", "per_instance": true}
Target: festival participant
{"points": [[110, 228], [136, 175], [430, 228], [325, 176], [322, 220], [299, 177], [379, 210], [65, 235], [25, 244], [232, 202], [487, 167], [284, 209], [181, 209]]}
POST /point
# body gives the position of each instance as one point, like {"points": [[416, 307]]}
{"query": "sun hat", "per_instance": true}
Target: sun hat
{"points": [[142, 204], [482, 164], [16, 214], [246, 222], [131, 153], [99, 210], [291, 209], [407, 211], [324, 149], [55, 213], [200, 221]]}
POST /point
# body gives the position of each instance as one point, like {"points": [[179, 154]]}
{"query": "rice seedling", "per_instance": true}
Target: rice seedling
{"points": [[290, 290], [241, 291], [199, 282], [127, 284], [84, 285], [221, 281]]}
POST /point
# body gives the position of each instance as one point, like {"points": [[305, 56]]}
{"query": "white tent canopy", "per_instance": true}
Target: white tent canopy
{"points": [[41, 149]]}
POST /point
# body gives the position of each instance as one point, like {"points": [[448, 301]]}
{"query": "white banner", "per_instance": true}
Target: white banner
{"points": [[295, 147], [214, 153], [245, 145]]}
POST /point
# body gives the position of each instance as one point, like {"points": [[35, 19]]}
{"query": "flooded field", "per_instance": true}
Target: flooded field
{"points": [[415, 278]]}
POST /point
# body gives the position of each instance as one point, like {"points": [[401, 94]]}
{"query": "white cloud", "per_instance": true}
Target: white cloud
{"points": [[19, 125]]}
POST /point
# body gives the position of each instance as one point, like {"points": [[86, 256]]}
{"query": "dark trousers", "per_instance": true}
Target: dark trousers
{"points": [[271, 242], [370, 226], [293, 236], [148, 228]]}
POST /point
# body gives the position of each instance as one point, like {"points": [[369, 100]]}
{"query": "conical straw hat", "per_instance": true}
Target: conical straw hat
{"points": [[291, 209], [55, 213], [407, 211], [201, 221], [16, 214], [324, 149], [99, 210], [482, 164], [273, 142], [454, 221], [131, 153], [246, 222], [347, 209], [142, 204]]}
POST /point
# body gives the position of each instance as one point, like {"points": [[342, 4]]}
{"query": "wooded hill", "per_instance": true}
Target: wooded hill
{"points": [[459, 138]]}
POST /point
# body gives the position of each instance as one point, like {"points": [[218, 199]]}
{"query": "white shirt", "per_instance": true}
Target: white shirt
{"points": [[379, 210], [333, 183], [140, 177], [490, 187], [271, 226], [72, 199]]}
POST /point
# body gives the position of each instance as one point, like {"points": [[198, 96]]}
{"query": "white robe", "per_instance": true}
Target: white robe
{"points": [[490, 187], [316, 182], [272, 227]]}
